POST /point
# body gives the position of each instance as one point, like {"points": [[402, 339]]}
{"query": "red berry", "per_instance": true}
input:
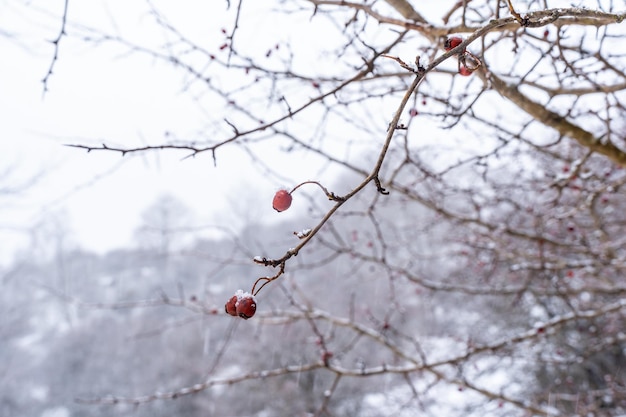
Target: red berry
{"points": [[413, 112], [246, 306], [231, 305], [452, 42], [463, 70], [282, 200]]}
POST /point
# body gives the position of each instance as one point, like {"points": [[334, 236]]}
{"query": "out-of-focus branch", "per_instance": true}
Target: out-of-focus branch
{"points": [[566, 128], [559, 17], [578, 91], [406, 10], [413, 24], [412, 365], [296, 369]]}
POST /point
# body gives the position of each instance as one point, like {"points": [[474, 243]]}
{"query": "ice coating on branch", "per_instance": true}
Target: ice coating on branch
{"points": [[258, 259]]}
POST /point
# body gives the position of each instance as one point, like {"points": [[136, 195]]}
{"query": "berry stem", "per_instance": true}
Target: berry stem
{"points": [[331, 196], [266, 280]]}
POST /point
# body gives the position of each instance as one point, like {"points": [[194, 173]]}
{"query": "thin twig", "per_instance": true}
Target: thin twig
{"points": [[56, 43], [522, 21]]}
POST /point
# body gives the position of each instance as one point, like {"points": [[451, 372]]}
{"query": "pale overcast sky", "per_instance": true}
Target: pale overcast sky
{"points": [[97, 94]]}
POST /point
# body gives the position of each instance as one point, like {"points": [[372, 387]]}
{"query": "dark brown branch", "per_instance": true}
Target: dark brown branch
{"points": [[193, 149], [406, 10], [56, 43]]}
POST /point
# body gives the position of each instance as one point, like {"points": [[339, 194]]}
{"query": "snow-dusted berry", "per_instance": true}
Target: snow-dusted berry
{"points": [[282, 200], [452, 42], [246, 306], [231, 306]]}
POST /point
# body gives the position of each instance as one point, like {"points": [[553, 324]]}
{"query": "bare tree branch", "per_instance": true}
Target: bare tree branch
{"points": [[56, 42], [558, 122]]}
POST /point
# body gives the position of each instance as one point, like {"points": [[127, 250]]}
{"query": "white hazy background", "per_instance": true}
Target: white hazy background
{"points": [[104, 95]]}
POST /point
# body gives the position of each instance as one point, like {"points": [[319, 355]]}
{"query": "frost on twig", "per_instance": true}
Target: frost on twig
{"points": [[302, 233], [418, 69]]}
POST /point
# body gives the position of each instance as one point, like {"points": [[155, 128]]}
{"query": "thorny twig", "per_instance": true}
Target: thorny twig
{"points": [[56, 43]]}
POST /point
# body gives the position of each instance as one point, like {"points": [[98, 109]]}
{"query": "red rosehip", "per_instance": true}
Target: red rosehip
{"points": [[246, 306], [465, 71], [231, 305], [282, 200], [452, 42]]}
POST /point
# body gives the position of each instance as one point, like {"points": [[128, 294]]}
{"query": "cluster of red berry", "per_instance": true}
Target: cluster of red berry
{"points": [[242, 304], [468, 62]]}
